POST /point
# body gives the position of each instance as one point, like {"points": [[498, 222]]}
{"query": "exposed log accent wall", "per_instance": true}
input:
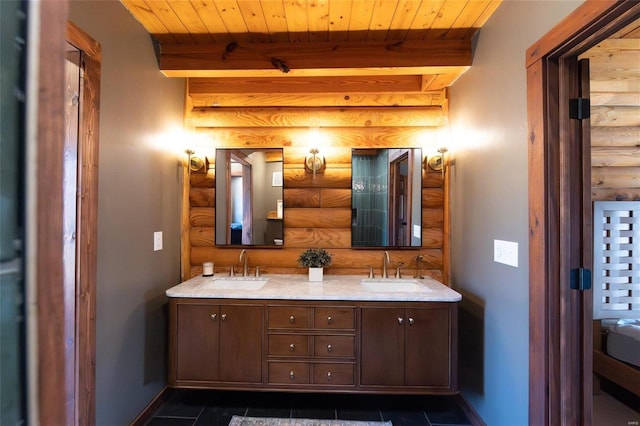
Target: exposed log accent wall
{"points": [[615, 119], [317, 212]]}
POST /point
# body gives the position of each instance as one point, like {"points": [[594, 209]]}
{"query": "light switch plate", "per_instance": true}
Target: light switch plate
{"points": [[416, 231], [505, 252], [157, 241]]}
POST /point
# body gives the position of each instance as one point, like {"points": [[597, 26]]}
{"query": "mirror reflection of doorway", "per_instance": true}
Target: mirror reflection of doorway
{"points": [[399, 199], [386, 198], [248, 188], [239, 207]]}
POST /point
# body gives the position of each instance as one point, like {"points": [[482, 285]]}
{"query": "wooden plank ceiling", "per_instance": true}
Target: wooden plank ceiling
{"points": [[239, 53]]}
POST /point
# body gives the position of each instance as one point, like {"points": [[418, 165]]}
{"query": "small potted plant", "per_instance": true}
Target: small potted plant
{"points": [[315, 259]]}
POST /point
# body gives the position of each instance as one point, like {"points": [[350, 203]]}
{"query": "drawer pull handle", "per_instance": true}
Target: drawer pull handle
{"points": [[411, 321], [329, 319], [329, 376], [292, 347], [214, 317], [329, 348], [292, 375], [224, 317], [292, 319], [400, 320]]}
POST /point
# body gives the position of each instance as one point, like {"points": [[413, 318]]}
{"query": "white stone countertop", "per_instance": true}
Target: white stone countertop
{"points": [[297, 287]]}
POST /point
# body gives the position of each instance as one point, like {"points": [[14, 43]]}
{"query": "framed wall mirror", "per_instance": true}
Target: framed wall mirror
{"points": [[386, 197], [249, 197]]}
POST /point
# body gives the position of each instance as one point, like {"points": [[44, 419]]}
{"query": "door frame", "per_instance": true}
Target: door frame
{"points": [[552, 307], [44, 272], [87, 225], [399, 235]]}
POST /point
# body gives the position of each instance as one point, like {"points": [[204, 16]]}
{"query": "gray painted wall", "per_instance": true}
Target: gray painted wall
{"points": [[489, 201], [139, 193]]}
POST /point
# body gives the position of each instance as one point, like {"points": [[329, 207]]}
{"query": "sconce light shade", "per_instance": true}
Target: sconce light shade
{"points": [[435, 162], [196, 163], [314, 162]]}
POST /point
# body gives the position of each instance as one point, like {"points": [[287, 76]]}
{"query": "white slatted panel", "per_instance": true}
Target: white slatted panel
{"points": [[616, 260]]}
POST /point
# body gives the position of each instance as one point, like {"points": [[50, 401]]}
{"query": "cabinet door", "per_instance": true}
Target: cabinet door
{"points": [[382, 346], [241, 343], [427, 347], [197, 342]]}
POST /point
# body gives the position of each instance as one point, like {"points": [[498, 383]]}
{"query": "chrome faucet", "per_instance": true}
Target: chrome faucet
{"points": [[245, 266], [385, 265]]}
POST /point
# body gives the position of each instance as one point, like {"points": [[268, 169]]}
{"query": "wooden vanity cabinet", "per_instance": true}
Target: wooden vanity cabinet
{"points": [[215, 343], [319, 346], [409, 347]]}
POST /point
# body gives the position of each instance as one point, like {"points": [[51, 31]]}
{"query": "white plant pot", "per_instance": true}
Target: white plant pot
{"points": [[315, 274]]}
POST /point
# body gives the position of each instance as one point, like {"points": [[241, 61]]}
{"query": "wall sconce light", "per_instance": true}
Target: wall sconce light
{"points": [[436, 162], [314, 162], [194, 163]]}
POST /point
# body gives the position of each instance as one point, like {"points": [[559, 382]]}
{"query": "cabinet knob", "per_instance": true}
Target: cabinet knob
{"points": [[411, 321], [329, 348], [292, 347], [329, 376], [292, 375], [292, 319], [224, 317], [329, 319], [214, 317], [400, 320]]}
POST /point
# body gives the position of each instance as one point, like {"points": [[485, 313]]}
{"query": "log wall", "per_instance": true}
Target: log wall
{"points": [[317, 212], [615, 119]]}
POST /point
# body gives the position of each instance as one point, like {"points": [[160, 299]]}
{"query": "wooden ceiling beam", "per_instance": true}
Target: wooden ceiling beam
{"points": [[431, 98], [317, 117], [315, 59], [307, 85], [373, 137]]}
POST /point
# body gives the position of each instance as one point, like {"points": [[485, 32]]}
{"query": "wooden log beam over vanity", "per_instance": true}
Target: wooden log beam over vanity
{"points": [[348, 137], [323, 59], [431, 116]]}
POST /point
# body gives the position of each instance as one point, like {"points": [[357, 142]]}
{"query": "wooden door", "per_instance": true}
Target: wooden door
{"points": [[197, 342], [427, 347], [382, 346], [241, 343]]}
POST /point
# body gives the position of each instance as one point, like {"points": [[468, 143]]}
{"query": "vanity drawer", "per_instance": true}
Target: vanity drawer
{"points": [[288, 317], [288, 345], [334, 318], [333, 374], [334, 346], [289, 372]]}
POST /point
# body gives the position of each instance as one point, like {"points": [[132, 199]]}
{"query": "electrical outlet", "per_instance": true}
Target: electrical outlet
{"points": [[505, 252], [157, 241]]}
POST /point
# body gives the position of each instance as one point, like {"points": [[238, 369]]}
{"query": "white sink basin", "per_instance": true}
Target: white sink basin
{"points": [[239, 283], [393, 285]]}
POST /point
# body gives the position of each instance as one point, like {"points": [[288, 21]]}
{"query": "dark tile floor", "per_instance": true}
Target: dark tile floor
{"points": [[213, 408]]}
